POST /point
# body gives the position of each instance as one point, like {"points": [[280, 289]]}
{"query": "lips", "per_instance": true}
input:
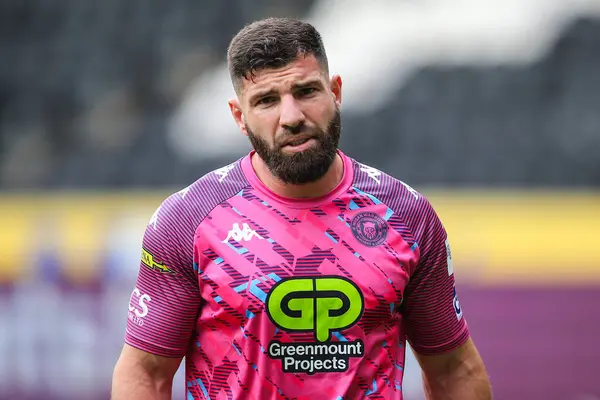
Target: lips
{"points": [[297, 141]]}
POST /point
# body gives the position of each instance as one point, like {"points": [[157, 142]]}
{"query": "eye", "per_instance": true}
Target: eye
{"points": [[306, 91], [266, 100]]}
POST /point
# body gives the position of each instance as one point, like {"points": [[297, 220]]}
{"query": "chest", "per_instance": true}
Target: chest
{"points": [[246, 247]]}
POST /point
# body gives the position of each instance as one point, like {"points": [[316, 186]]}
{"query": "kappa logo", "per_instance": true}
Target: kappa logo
{"points": [[411, 190], [154, 218], [245, 233], [373, 173], [224, 171], [183, 192]]}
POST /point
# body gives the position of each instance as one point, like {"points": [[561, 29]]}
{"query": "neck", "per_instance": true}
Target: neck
{"points": [[318, 188]]}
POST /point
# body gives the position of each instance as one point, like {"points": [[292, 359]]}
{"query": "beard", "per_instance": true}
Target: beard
{"points": [[304, 166]]}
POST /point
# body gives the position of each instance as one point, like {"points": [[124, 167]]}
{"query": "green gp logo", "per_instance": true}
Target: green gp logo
{"points": [[322, 304]]}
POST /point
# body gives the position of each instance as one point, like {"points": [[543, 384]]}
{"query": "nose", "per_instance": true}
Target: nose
{"points": [[291, 116]]}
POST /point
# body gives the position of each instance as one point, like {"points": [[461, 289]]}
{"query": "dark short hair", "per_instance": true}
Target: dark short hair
{"points": [[272, 43]]}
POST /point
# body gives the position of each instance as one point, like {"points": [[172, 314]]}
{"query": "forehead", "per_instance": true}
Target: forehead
{"points": [[300, 70]]}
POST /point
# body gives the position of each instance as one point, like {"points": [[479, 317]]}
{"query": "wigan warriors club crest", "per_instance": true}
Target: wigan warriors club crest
{"points": [[369, 229]]}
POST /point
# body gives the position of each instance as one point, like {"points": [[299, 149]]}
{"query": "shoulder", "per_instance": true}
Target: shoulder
{"points": [[189, 206], [413, 213], [395, 193]]}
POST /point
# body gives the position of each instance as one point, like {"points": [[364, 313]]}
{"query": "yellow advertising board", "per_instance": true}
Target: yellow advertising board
{"points": [[496, 237]]}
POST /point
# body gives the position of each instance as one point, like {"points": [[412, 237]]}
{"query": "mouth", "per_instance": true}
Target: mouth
{"points": [[299, 144]]}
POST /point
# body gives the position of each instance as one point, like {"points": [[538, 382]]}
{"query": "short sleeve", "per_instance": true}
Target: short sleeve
{"points": [[432, 316], [166, 299]]}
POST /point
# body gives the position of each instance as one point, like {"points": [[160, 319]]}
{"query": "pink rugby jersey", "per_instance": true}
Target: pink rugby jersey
{"points": [[276, 298]]}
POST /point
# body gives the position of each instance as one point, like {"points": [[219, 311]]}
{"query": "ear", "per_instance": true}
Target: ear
{"points": [[238, 115], [335, 85]]}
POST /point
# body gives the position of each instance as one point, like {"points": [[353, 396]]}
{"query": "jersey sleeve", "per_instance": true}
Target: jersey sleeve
{"points": [[433, 318], [165, 301]]}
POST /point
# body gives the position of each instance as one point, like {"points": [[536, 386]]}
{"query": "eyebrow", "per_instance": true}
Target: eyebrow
{"points": [[261, 94], [311, 82], [296, 86]]}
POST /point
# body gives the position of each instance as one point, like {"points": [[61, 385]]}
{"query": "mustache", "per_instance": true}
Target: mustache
{"points": [[300, 132]]}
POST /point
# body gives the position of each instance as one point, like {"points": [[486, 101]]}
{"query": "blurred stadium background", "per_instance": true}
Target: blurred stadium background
{"points": [[491, 108]]}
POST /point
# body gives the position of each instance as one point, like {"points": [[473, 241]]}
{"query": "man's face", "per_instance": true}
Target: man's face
{"points": [[292, 118]]}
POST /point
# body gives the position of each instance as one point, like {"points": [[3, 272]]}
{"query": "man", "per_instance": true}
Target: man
{"points": [[296, 271]]}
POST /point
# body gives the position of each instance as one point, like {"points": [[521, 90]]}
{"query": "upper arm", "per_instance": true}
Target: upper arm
{"points": [[142, 375], [432, 316], [164, 304], [158, 368], [464, 357]]}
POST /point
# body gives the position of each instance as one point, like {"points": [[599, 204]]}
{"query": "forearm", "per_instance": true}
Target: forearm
{"points": [[135, 383], [463, 383]]}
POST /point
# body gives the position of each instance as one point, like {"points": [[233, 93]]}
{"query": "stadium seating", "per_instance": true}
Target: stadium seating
{"points": [[85, 82], [66, 64]]}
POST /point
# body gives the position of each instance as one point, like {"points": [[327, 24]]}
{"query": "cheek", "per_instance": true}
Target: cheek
{"points": [[324, 113], [263, 126]]}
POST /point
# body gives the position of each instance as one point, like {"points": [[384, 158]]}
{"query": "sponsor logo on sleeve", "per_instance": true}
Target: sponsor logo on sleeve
{"points": [[323, 305], [138, 307], [449, 258], [456, 303], [149, 261]]}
